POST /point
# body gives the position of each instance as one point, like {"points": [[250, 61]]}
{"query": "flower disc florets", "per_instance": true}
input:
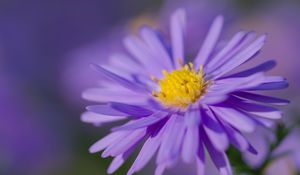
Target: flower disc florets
{"points": [[181, 87]]}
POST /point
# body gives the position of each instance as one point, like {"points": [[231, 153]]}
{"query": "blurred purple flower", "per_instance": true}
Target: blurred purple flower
{"points": [[261, 141], [287, 155], [181, 108]]}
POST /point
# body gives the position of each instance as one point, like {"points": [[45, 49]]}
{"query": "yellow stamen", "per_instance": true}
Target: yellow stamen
{"points": [[181, 87]]}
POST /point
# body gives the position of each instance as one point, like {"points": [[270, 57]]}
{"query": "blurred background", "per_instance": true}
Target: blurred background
{"points": [[46, 47]]}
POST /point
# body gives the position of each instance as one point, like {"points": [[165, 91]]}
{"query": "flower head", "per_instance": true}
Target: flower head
{"points": [[177, 106]]}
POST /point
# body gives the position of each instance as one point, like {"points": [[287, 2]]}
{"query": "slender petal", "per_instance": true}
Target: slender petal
{"points": [[271, 86], [132, 110], [118, 60], [143, 122], [200, 162], [105, 109], [236, 138], [146, 153], [106, 141], [91, 117], [219, 158], [215, 132], [191, 138], [177, 36], [262, 98], [227, 85], [234, 117], [140, 51], [209, 42], [241, 57], [268, 65], [119, 160], [118, 79], [245, 40], [111, 95], [236, 39], [156, 47], [123, 145], [257, 109], [172, 139]]}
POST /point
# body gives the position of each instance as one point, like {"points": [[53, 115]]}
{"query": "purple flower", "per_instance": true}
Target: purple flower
{"points": [[179, 106], [288, 152]]}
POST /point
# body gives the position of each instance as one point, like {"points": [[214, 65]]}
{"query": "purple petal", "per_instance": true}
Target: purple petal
{"points": [[191, 138], [126, 74], [146, 153], [209, 42], [241, 57], [245, 40], [105, 109], [119, 161], [132, 110], [156, 47], [90, 117], [211, 98], [268, 65], [143, 122], [236, 39], [215, 132], [124, 144], [265, 122], [107, 140], [166, 164], [271, 86], [237, 83], [172, 139], [290, 145], [257, 109], [200, 162], [120, 80], [235, 118], [262, 98], [190, 144], [219, 158], [118, 60], [140, 51], [160, 169], [111, 95], [177, 36], [192, 117], [236, 138], [282, 165], [261, 140]]}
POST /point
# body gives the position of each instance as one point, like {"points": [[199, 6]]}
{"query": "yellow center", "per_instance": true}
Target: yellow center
{"points": [[181, 87]]}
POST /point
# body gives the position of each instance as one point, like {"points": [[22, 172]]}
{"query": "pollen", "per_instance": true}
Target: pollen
{"points": [[181, 87]]}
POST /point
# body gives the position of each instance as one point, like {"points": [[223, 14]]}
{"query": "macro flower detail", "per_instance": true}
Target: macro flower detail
{"points": [[182, 87], [180, 107]]}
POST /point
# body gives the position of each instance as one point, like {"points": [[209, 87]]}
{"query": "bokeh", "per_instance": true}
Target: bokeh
{"points": [[46, 47]]}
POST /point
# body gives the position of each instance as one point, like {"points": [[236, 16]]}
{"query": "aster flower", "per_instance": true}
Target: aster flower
{"points": [[284, 155], [287, 155], [181, 107]]}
